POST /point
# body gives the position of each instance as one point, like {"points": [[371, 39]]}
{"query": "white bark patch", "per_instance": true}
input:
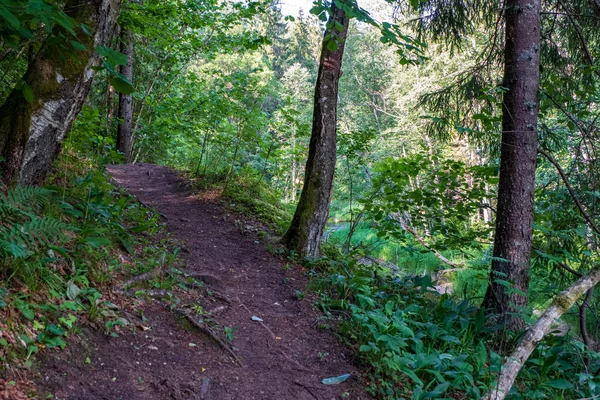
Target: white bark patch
{"points": [[40, 121], [44, 117]]}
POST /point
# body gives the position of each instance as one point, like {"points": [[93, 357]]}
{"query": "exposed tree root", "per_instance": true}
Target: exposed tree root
{"points": [[122, 287], [202, 327], [308, 389], [296, 363], [260, 322]]}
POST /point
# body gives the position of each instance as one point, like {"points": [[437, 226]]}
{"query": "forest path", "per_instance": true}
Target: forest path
{"points": [[280, 357]]}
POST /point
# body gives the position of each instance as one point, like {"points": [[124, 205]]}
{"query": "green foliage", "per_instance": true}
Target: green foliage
{"points": [[21, 19], [23, 233], [415, 343], [435, 197], [61, 247]]}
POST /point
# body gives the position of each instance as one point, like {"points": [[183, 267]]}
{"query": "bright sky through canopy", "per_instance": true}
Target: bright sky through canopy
{"points": [[291, 7]]}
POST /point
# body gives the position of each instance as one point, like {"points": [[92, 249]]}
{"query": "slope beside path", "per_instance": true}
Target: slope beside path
{"points": [[284, 356]]}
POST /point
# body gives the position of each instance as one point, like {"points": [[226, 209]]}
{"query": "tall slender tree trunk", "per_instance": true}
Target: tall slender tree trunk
{"points": [[125, 113], [204, 144], [293, 170], [60, 77], [514, 219], [306, 229]]}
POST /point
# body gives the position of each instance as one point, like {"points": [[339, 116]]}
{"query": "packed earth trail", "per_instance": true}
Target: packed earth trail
{"points": [[284, 356]]}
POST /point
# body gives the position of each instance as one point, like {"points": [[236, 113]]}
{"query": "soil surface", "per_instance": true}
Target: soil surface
{"points": [[285, 356]]}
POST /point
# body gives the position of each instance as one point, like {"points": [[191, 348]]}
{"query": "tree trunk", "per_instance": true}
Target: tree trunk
{"points": [[514, 219], [124, 133], [60, 77], [306, 229]]}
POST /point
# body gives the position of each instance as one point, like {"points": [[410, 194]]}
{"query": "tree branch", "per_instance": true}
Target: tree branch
{"points": [[571, 192], [584, 46], [419, 239]]}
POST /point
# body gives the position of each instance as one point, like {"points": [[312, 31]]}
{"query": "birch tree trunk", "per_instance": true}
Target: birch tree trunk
{"points": [[31, 133], [125, 113], [306, 229], [514, 219]]}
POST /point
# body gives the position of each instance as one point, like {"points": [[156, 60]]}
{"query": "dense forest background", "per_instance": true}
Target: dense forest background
{"points": [[225, 92]]}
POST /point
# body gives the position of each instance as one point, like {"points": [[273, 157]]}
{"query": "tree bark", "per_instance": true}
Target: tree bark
{"points": [[514, 218], [125, 114], [306, 229], [31, 133], [561, 304]]}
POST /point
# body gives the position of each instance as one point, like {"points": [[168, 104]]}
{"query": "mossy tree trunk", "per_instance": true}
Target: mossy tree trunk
{"points": [[60, 77], [514, 218], [306, 229], [124, 133]]}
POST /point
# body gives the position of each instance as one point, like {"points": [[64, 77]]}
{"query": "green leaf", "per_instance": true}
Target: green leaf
{"points": [[481, 355], [9, 17], [332, 45], [26, 311], [27, 93], [96, 242], [113, 57], [55, 329], [78, 45], [121, 85], [560, 384]]}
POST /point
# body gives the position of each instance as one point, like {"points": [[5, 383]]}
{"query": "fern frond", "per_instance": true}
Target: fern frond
{"points": [[25, 198], [18, 240]]}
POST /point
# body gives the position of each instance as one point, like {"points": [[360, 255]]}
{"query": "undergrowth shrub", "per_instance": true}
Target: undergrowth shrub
{"points": [[415, 343], [62, 247]]}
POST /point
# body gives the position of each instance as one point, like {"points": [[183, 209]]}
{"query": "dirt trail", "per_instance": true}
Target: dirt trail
{"points": [[280, 357]]}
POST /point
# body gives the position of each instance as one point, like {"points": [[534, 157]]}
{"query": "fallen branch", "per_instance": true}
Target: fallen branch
{"points": [[561, 304]]}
